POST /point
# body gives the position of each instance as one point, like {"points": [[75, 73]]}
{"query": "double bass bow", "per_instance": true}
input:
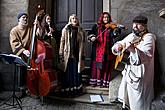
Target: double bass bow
{"points": [[38, 81]]}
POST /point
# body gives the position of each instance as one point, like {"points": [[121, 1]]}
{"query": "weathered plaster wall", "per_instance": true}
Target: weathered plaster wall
{"points": [[8, 12]]}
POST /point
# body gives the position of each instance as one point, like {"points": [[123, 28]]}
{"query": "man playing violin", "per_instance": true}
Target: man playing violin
{"points": [[138, 74]]}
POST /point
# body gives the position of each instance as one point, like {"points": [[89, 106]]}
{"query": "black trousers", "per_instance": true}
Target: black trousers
{"points": [[22, 72]]}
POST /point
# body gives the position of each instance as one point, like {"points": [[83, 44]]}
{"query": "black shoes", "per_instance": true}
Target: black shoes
{"points": [[163, 99], [23, 93], [116, 101]]}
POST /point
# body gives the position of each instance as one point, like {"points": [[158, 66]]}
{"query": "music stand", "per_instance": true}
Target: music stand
{"points": [[16, 60]]}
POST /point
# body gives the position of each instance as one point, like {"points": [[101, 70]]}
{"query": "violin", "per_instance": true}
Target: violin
{"points": [[114, 26], [111, 25]]}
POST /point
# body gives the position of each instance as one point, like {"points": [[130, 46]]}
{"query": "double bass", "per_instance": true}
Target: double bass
{"points": [[38, 76]]}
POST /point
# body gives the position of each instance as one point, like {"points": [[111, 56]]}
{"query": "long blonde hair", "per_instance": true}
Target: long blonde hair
{"points": [[71, 16]]}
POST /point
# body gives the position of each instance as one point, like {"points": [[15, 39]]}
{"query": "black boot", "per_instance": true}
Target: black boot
{"points": [[163, 99], [23, 93]]}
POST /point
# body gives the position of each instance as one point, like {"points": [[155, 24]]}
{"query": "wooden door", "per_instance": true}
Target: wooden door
{"points": [[87, 11]]}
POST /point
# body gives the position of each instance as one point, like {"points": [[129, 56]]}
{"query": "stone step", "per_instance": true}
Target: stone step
{"points": [[96, 90], [113, 86], [84, 98]]}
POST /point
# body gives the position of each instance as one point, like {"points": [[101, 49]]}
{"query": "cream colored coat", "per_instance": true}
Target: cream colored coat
{"points": [[65, 47], [138, 77], [20, 39]]}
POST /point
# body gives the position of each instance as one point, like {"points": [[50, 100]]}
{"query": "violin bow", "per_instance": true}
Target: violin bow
{"points": [[101, 33]]}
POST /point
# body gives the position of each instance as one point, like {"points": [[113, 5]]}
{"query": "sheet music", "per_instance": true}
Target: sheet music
{"points": [[11, 58], [96, 98]]}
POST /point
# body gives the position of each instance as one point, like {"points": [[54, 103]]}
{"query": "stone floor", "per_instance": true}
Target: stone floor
{"points": [[83, 102], [58, 103]]}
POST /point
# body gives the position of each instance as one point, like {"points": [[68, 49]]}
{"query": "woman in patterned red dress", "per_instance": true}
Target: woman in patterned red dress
{"points": [[102, 62]]}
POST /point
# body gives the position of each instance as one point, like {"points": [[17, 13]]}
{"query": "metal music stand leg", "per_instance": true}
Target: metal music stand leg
{"points": [[13, 96]]}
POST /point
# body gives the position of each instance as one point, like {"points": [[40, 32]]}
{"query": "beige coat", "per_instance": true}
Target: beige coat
{"points": [[20, 39], [65, 47]]}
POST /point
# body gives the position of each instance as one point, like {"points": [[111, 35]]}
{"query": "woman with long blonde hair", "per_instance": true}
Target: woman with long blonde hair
{"points": [[71, 56]]}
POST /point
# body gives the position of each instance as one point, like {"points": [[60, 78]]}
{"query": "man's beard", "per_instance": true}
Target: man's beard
{"points": [[139, 33], [24, 23], [136, 32]]}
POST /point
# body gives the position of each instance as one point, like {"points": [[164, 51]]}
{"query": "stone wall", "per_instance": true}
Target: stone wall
{"points": [[123, 12], [8, 17], [8, 12]]}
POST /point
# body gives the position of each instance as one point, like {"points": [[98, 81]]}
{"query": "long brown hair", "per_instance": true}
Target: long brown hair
{"points": [[100, 20]]}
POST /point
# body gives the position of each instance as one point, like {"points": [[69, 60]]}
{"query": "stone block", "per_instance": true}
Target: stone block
{"points": [[114, 86], [95, 90]]}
